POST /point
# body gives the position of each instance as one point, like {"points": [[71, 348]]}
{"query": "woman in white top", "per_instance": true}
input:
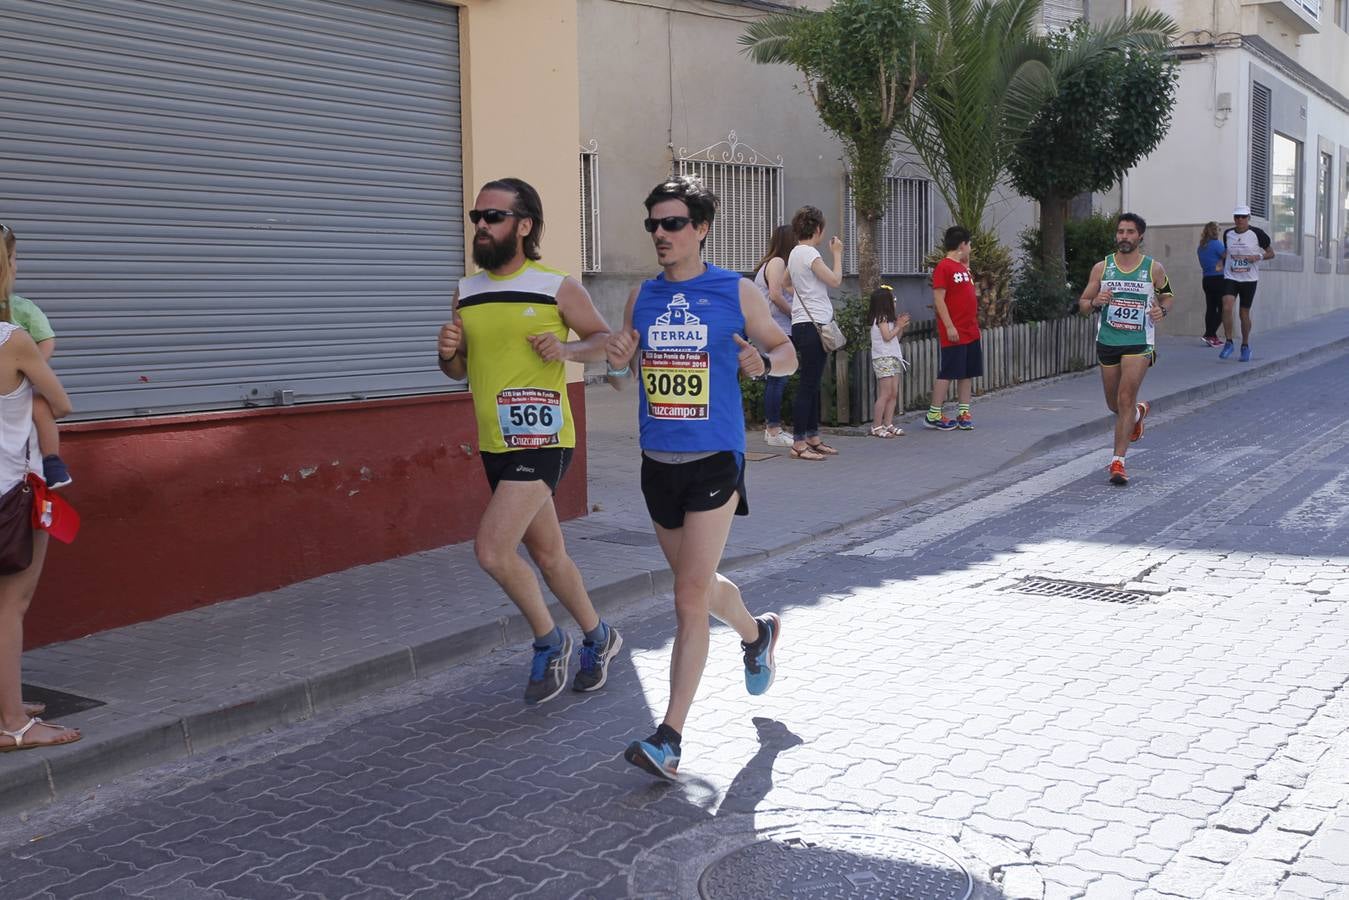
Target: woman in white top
{"points": [[811, 310], [22, 370], [770, 277]]}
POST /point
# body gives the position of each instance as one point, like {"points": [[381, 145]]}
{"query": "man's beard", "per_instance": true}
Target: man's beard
{"points": [[1121, 246], [493, 254]]}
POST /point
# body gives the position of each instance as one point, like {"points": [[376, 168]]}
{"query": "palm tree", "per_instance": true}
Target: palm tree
{"points": [[860, 62]]}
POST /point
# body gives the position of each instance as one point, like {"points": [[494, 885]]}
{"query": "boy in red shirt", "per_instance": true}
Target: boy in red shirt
{"points": [[962, 357]]}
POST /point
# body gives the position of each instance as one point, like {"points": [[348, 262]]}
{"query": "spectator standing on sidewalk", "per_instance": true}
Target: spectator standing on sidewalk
{"points": [[23, 374], [509, 337], [811, 310], [770, 277], [26, 314], [962, 353], [1246, 247], [887, 359], [684, 332], [1212, 256], [1132, 293]]}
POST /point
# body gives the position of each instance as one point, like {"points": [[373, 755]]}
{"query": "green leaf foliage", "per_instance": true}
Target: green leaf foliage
{"points": [[1038, 295]]}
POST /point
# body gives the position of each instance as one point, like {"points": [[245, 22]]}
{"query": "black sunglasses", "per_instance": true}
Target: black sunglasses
{"points": [[668, 223], [491, 216]]}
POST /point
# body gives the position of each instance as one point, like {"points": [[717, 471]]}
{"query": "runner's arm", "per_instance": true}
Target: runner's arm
{"points": [[620, 350], [452, 348], [759, 325], [1086, 304], [1165, 296], [580, 315], [1266, 247]]}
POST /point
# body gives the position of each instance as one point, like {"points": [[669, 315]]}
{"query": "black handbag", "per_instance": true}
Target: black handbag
{"points": [[16, 528]]}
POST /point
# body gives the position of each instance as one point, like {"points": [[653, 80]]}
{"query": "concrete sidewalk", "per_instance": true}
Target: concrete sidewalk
{"points": [[193, 681]]}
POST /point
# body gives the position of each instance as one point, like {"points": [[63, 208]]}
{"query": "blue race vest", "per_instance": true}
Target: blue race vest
{"points": [[688, 363]]}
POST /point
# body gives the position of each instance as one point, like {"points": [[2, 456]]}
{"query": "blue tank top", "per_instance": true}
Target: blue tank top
{"points": [[689, 363], [1211, 257]]}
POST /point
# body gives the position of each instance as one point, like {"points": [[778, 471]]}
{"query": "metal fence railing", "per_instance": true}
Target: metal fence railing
{"points": [[1013, 354]]}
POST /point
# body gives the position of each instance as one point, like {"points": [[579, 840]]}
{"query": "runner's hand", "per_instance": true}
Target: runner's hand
{"points": [[547, 345], [751, 363], [1155, 312], [953, 333], [1103, 298], [451, 339], [620, 347]]}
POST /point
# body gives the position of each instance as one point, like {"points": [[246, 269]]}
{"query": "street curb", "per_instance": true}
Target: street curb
{"points": [[65, 772]]}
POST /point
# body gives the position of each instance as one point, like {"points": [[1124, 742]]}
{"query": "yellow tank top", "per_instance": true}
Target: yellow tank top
{"points": [[519, 400]]}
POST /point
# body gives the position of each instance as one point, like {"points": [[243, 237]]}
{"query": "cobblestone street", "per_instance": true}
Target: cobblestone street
{"points": [[1183, 731]]}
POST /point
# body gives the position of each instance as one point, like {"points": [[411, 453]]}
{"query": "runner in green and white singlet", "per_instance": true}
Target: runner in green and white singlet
{"points": [[1131, 292]]}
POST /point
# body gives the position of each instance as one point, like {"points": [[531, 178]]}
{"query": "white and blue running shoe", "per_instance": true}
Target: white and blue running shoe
{"points": [[760, 664]]}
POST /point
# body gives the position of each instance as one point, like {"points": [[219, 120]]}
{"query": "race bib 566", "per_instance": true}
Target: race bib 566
{"points": [[529, 417]]}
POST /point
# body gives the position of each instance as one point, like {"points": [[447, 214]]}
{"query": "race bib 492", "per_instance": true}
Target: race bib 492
{"points": [[676, 383], [529, 417]]}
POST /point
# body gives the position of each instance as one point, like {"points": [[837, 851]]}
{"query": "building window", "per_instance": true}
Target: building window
{"points": [[1260, 150], [749, 188], [1285, 177], [904, 234], [590, 208], [1344, 207], [1325, 222], [1056, 15]]}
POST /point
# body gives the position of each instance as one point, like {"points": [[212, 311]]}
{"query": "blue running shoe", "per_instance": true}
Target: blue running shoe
{"points": [[760, 666], [548, 672], [655, 755], [594, 671], [1245, 352], [1226, 351], [965, 422], [942, 424]]}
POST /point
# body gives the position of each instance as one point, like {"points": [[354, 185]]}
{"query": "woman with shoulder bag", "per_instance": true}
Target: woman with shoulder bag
{"points": [[812, 322], [22, 549]]}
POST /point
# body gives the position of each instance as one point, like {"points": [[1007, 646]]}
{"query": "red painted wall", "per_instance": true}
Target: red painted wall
{"points": [[183, 511]]}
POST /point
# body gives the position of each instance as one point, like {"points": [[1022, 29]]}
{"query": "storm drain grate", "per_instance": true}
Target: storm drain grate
{"points": [[1072, 590]]}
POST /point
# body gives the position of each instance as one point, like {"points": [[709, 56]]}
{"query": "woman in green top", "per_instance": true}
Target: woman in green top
{"points": [[26, 315]]}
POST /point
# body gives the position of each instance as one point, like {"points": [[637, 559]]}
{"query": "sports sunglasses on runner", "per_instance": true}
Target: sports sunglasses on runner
{"points": [[491, 216], [668, 223]]}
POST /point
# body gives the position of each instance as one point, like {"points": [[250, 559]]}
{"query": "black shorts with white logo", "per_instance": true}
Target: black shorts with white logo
{"points": [[1244, 291], [1109, 355], [673, 489], [548, 465]]}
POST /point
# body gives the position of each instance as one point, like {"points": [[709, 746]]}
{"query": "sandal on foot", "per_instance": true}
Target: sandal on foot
{"points": [[33, 708], [808, 453], [824, 448], [64, 736], [895, 431], [881, 431]]}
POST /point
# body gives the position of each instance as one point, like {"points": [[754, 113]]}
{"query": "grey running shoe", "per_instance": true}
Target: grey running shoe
{"points": [[594, 671], [548, 673]]}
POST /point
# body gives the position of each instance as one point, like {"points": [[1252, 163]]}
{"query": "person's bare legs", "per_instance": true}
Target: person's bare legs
{"points": [[1129, 374], [48, 435], [1245, 325], [694, 552], [16, 592], [883, 413], [543, 539], [964, 391], [1229, 317], [512, 510], [939, 389]]}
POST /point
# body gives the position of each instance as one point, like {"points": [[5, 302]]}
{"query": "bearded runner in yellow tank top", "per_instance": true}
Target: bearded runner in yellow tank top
{"points": [[508, 337], [519, 399]]}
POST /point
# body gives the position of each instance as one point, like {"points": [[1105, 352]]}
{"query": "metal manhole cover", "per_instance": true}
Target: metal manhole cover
{"points": [[1052, 587], [849, 865]]}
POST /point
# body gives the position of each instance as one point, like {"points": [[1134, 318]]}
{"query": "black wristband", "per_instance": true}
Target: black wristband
{"points": [[767, 364]]}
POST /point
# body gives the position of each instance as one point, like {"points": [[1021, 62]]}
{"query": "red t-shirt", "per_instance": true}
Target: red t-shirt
{"points": [[961, 301]]}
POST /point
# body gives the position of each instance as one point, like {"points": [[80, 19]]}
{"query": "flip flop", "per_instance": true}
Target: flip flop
{"points": [[881, 431], [65, 736], [33, 708], [824, 448], [808, 453]]}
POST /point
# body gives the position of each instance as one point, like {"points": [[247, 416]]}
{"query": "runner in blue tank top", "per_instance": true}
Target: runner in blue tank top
{"points": [[684, 340]]}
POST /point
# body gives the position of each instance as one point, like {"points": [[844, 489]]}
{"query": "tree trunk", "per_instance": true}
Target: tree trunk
{"points": [[868, 264], [1053, 215]]}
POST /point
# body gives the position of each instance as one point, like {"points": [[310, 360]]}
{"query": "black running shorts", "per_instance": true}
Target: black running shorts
{"points": [[673, 489], [1109, 355], [547, 464], [961, 361], [1242, 290]]}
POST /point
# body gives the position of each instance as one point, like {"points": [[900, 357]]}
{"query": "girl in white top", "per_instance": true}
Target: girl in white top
{"points": [[770, 277], [887, 360], [22, 370], [811, 307]]}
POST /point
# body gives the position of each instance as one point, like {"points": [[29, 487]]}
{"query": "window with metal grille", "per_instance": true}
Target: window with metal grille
{"points": [[1056, 15], [749, 190], [1261, 136], [590, 208], [904, 234], [1325, 184]]}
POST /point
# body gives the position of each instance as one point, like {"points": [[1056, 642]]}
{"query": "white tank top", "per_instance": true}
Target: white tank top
{"points": [[18, 438]]}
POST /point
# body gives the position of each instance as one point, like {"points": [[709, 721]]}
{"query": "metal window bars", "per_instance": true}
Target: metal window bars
{"points": [[748, 185], [590, 207], [905, 235]]}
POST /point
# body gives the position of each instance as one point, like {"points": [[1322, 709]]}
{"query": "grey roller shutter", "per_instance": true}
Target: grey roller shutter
{"points": [[224, 203], [1261, 139]]}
